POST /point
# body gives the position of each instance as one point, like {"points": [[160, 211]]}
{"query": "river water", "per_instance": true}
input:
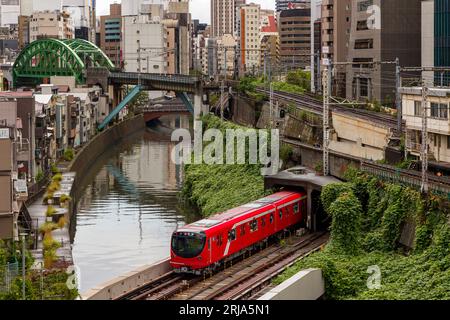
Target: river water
{"points": [[130, 206]]}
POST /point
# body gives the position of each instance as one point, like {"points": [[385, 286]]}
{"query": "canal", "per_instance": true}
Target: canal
{"points": [[130, 206]]}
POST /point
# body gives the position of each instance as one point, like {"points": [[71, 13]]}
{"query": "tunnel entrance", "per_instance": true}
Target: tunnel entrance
{"points": [[321, 220]]}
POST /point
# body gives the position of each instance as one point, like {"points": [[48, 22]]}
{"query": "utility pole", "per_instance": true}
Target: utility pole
{"points": [[23, 267], [398, 98], [271, 105], [424, 147], [139, 55], [326, 118]]}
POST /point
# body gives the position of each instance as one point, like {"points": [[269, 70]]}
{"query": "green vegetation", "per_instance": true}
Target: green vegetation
{"points": [[141, 99], [54, 168], [39, 176], [216, 188], [297, 81], [65, 198], [53, 282], [368, 216], [50, 211], [69, 154]]}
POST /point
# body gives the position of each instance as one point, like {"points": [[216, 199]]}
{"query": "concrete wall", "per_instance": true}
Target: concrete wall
{"points": [[104, 140], [128, 282], [358, 137], [305, 285]]}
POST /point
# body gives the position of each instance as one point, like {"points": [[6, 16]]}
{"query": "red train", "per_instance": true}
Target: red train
{"points": [[205, 245]]}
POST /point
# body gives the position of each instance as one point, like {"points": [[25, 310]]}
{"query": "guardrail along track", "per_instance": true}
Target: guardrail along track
{"points": [[247, 278]]}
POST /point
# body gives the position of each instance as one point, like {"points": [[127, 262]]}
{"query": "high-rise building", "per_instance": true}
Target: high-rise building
{"points": [[248, 22], [9, 12], [335, 37], [281, 5], [295, 38], [222, 17], [110, 34], [390, 31], [436, 39]]}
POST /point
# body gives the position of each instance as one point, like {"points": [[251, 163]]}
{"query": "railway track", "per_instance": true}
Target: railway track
{"points": [[249, 277], [243, 278], [316, 106]]}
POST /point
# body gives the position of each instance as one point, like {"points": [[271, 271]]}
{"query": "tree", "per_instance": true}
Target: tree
{"points": [[300, 78]]}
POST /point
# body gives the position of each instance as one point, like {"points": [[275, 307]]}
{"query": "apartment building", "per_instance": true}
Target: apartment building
{"points": [[144, 44], [222, 17], [248, 35], [295, 38], [110, 34], [438, 122], [9, 209], [226, 46], [51, 24], [281, 5], [335, 37], [381, 30]]}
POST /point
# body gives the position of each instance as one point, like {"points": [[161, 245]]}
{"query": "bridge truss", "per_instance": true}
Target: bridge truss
{"points": [[53, 57]]}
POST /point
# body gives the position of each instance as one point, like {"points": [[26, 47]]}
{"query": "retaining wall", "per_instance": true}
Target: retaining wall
{"points": [[306, 285], [128, 282]]}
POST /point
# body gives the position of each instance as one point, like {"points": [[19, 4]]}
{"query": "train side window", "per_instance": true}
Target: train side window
{"points": [[232, 234], [219, 240], [242, 230], [271, 218], [263, 222], [280, 212], [253, 225], [296, 208]]}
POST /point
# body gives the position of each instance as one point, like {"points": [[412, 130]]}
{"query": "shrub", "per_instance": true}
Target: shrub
{"points": [[50, 211], [54, 168], [51, 244], [69, 154], [48, 227], [54, 186], [39, 176], [61, 223], [286, 152], [57, 177], [65, 198]]}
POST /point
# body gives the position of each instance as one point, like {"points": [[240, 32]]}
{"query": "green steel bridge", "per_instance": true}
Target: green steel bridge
{"points": [[45, 58]]}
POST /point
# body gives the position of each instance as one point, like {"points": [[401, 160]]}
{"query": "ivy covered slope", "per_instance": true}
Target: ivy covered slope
{"points": [[216, 188], [367, 218]]}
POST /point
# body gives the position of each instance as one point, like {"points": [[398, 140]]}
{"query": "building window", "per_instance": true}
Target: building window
{"points": [[448, 142], [417, 108], [439, 110]]}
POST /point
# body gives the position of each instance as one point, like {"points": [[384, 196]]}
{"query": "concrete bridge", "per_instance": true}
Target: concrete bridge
{"points": [[159, 110]]}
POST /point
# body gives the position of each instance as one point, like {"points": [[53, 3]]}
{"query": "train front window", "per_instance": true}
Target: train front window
{"points": [[188, 244]]}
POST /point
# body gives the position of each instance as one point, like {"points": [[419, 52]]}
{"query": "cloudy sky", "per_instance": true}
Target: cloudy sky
{"points": [[199, 8]]}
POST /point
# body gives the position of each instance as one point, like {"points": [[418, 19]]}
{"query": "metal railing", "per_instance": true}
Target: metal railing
{"points": [[439, 185]]}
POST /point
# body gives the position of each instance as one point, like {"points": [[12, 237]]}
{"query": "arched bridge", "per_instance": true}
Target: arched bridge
{"points": [[45, 58]]}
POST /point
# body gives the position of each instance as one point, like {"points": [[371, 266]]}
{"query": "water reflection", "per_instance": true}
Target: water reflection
{"points": [[129, 207]]}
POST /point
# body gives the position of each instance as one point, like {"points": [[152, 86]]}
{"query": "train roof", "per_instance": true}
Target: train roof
{"points": [[205, 224]]}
